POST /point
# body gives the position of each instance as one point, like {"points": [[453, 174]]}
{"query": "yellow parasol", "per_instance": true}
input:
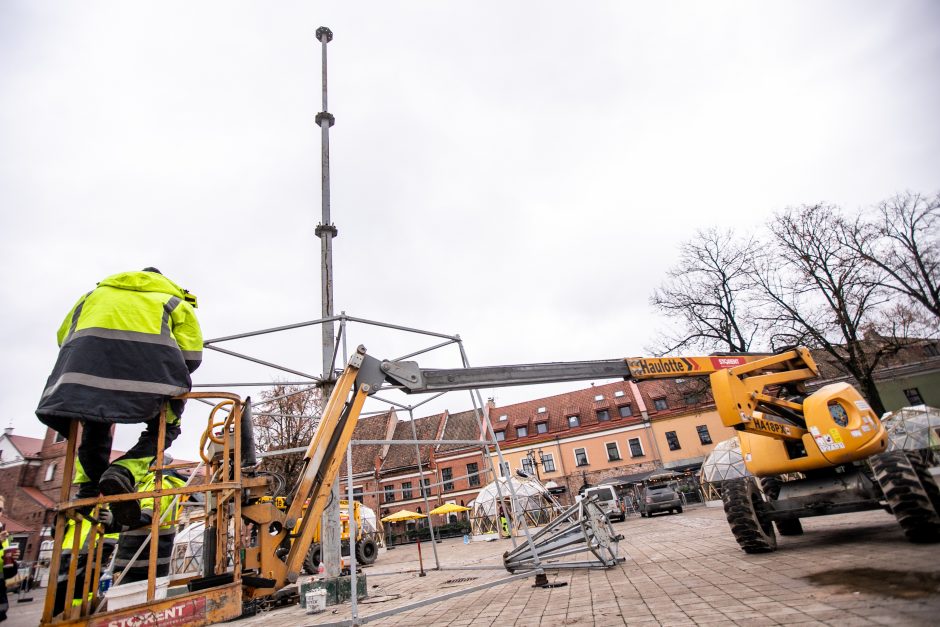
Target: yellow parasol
{"points": [[402, 516], [449, 508]]}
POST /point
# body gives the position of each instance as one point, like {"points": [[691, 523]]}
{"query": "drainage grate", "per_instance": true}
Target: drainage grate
{"points": [[459, 580]]}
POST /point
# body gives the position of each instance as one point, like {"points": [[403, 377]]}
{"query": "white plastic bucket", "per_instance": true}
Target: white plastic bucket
{"points": [[129, 594], [316, 601]]}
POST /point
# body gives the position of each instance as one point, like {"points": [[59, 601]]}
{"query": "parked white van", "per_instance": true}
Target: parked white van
{"points": [[607, 500]]}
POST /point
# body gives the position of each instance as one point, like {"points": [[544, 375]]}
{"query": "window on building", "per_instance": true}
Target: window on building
{"points": [[580, 457], [389, 494], [660, 404], [625, 411], [636, 448], [521, 432], [528, 467], [447, 478], [406, 490], [541, 427], [913, 396], [618, 394], [426, 487], [613, 452], [672, 440], [503, 417], [500, 435], [542, 410], [474, 474], [58, 437], [50, 472], [357, 494], [504, 469], [931, 350], [603, 415], [703, 435], [548, 462], [692, 399], [599, 397], [574, 421]]}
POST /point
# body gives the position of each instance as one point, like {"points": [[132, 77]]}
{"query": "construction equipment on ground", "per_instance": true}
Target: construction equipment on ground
{"points": [[255, 549], [367, 549], [806, 454]]}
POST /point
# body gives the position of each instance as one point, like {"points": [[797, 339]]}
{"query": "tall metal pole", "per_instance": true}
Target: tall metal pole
{"points": [[326, 231]]}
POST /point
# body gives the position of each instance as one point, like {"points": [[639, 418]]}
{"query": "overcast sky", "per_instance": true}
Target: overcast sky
{"points": [[521, 174]]}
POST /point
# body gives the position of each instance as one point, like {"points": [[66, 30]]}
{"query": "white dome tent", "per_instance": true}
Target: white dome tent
{"points": [[533, 504], [723, 463], [913, 428]]}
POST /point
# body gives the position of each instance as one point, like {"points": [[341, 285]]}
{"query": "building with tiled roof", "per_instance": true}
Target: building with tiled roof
{"points": [[600, 433]]}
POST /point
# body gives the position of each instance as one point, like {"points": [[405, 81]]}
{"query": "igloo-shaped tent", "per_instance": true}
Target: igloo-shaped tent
{"points": [[913, 428], [724, 462], [533, 504]]}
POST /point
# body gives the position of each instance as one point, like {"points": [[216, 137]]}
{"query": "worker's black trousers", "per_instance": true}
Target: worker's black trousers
{"points": [[94, 449]]}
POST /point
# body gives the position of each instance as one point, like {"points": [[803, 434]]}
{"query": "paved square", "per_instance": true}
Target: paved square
{"points": [[851, 569]]}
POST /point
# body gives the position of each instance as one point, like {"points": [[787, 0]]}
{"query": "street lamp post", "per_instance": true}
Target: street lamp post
{"points": [[530, 455]]}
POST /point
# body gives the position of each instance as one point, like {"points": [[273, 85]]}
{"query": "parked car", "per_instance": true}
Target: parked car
{"points": [[658, 498], [607, 500]]}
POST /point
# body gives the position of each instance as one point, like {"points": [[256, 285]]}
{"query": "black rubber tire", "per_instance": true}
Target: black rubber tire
{"points": [[787, 526], [312, 560], [679, 511], [744, 508], [909, 501], [366, 551], [922, 460]]}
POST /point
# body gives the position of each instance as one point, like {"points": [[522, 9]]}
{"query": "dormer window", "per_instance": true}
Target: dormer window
{"points": [[618, 394], [541, 410], [574, 421], [503, 417], [599, 397]]}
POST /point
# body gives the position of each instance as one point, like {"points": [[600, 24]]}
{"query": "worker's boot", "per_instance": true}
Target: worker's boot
{"points": [[119, 480]]}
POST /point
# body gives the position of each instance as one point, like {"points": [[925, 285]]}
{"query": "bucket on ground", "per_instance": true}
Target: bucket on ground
{"points": [[316, 601]]}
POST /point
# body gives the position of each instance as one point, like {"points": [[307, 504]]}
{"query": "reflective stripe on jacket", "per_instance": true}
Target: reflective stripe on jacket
{"points": [[124, 348]]}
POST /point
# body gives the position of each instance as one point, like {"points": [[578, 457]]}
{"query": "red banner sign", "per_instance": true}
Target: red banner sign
{"points": [[182, 613]]}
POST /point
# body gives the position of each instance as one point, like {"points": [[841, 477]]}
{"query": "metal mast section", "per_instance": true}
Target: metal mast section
{"points": [[326, 231]]}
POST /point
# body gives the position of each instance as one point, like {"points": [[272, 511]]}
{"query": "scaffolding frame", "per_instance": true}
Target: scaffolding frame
{"points": [[340, 350]]}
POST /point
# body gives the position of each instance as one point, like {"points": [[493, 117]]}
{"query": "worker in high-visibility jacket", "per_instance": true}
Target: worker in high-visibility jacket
{"points": [[8, 556], [126, 347], [86, 546], [131, 540]]}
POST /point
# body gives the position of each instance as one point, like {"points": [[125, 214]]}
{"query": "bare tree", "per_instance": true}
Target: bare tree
{"points": [[707, 294], [818, 292], [902, 241], [286, 418]]}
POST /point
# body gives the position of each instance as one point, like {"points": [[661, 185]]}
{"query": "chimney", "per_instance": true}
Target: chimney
{"points": [[8, 431]]}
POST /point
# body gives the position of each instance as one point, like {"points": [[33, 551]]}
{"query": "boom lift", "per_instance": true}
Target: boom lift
{"points": [[806, 454], [255, 549]]}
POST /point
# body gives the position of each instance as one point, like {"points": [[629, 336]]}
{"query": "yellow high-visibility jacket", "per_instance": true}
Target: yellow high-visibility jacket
{"points": [[126, 347]]}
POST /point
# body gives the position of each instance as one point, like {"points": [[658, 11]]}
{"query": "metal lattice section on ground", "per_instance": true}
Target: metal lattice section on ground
{"points": [[582, 528]]}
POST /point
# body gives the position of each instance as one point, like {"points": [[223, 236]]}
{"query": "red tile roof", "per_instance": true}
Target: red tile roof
{"points": [[14, 526], [402, 456], [39, 497], [29, 447]]}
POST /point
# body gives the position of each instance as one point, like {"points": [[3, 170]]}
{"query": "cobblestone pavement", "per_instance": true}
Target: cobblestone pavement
{"points": [[852, 569]]}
